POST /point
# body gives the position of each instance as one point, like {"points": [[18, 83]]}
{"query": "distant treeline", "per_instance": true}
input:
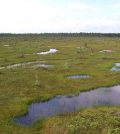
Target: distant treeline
{"points": [[64, 34]]}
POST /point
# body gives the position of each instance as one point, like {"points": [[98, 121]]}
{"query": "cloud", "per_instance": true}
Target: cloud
{"points": [[88, 25], [116, 5], [80, 6], [24, 9], [19, 16]]}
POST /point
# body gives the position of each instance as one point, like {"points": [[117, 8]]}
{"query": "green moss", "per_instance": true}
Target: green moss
{"points": [[18, 86], [99, 121]]}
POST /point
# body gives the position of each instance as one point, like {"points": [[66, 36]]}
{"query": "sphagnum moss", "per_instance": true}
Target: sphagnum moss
{"points": [[18, 86]]}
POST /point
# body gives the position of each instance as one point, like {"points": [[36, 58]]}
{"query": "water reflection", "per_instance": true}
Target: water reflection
{"points": [[32, 64], [116, 67], [78, 76], [65, 104], [52, 50]]}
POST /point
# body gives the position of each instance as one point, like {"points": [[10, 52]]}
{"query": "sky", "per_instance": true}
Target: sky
{"points": [[54, 16]]}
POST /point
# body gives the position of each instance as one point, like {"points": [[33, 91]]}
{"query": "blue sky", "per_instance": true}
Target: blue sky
{"points": [[36, 16]]}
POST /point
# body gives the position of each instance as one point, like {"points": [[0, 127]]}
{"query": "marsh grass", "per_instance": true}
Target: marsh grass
{"points": [[21, 86]]}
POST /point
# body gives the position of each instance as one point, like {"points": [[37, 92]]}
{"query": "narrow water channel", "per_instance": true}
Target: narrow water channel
{"points": [[31, 64]]}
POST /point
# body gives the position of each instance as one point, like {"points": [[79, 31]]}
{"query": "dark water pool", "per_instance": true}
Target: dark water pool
{"points": [[64, 104]]}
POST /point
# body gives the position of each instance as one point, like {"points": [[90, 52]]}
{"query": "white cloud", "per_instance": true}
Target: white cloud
{"points": [[25, 15], [39, 16], [89, 25], [24, 10], [116, 5], [80, 6]]}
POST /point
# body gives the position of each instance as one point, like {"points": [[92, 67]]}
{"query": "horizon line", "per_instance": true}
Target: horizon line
{"points": [[63, 33]]}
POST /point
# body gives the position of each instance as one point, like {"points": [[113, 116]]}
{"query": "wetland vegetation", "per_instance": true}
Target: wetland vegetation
{"points": [[77, 54]]}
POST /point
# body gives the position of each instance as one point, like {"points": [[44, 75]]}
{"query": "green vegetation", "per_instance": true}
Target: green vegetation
{"points": [[104, 120], [78, 54]]}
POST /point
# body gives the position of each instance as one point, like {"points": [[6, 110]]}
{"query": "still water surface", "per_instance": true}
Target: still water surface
{"points": [[64, 104]]}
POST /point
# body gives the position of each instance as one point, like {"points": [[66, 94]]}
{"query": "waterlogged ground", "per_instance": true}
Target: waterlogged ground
{"points": [[20, 86]]}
